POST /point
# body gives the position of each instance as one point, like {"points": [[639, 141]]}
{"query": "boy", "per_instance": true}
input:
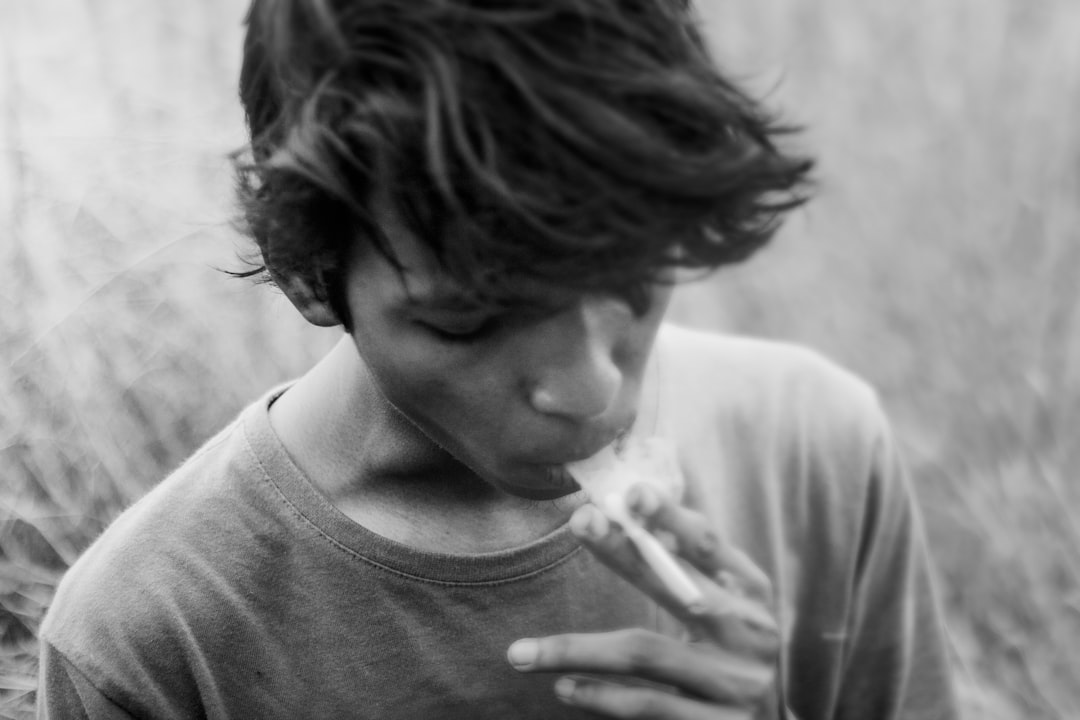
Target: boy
{"points": [[493, 198]]}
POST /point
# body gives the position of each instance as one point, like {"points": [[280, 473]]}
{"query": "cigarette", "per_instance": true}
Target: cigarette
{"points": [[670, 573], [606, 477]]}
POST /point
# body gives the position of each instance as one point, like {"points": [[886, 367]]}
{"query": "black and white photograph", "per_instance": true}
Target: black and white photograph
{"points": [[539, 359]]}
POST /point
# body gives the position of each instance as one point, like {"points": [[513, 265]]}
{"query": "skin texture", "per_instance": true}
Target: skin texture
{"points": [[725, 666], [538, 387], [445, 427], [435, 421]]}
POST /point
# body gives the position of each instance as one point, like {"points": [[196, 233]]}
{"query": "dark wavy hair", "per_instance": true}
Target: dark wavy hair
{"points": [[585, 144]]}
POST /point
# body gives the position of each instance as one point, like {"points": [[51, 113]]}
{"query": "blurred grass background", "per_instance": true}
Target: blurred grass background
{"points": [[941, 261]]}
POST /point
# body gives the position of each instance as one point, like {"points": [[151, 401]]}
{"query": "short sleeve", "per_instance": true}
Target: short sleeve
{"points": [[64, 693], [896, 663]]}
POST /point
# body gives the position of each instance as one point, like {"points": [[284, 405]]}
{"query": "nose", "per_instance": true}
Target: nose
{"points": [[574, 372]]}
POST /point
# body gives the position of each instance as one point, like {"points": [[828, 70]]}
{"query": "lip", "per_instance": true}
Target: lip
{"points": [[560, 478], [582, 451], [547, 473], [551, 482], [578, 457]]}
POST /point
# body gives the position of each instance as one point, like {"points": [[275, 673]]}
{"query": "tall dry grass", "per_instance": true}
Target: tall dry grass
{"points": [[123, 347], [941, 260]]}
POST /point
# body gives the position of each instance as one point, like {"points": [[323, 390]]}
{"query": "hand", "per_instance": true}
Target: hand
{"points": [[724, 669]]}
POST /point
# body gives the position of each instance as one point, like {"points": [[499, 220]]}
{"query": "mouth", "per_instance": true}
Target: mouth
{"points": [[557, 480], [545, 476], [537, 481], [586, 450], [559, 477], [550, 483]]}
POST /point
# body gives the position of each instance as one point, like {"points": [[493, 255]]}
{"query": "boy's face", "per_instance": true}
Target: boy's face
{"points": [[513, 395]]}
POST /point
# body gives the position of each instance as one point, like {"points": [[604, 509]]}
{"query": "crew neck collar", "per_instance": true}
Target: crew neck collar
{"points": [[423, 565]]}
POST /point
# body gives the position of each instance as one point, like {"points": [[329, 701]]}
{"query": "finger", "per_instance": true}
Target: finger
{"points": [[737, 622], [706, 672], [613, 548], [639, 703], [699, 543], [731, 619]]}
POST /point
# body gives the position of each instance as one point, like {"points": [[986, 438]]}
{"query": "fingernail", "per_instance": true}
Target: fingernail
{"points": [[588, 522], [522, 654], [564, 688], [644, 500]]}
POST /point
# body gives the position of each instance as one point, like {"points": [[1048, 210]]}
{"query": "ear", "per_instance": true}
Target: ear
{"points": [[311, 303]]}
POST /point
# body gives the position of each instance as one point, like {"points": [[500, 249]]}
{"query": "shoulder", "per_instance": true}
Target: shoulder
{"points": [[774, 434], [121, 610], [764, 386]]}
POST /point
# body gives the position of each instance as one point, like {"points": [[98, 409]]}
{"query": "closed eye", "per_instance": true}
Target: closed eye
{"points": [[460, 331]]}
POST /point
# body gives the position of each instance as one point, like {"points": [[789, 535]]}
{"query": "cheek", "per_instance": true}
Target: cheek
{"points": [[440, 390]]}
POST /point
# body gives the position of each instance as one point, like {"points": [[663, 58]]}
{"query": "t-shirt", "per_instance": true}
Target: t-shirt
{"points": [[235, 589]]}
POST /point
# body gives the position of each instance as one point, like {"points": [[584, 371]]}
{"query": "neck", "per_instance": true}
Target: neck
{"points": [[377, 468]]}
